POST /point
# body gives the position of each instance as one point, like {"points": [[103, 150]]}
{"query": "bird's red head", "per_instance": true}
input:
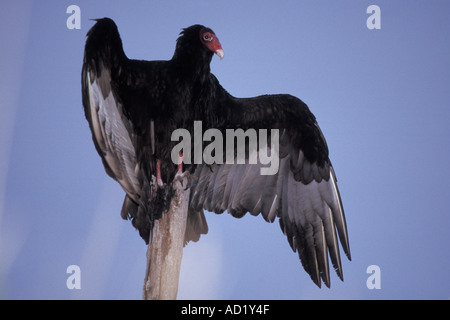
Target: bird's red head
{"points": [[210, 40]]}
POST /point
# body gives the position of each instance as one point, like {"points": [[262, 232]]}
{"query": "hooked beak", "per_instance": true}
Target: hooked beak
{"points": [[220, 53]]}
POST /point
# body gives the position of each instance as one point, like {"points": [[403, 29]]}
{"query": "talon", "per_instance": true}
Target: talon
{"points": [[181, 178]]}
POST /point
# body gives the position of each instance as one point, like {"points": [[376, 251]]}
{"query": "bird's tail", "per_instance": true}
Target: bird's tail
{"points": [[196, 226]]}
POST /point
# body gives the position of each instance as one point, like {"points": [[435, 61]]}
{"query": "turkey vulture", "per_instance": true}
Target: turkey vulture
{"points": [[134, 106]]}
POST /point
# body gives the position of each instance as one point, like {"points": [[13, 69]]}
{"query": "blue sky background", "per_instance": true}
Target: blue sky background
{"points": [[381, 97]]}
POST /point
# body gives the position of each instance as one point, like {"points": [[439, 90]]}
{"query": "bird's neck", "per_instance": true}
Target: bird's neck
{"points": [[192, 65]]}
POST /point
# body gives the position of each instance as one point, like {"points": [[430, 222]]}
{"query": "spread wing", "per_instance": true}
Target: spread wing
{"points": [[303, 193], [113, 132]]}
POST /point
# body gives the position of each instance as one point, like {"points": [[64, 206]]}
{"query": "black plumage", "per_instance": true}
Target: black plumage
{"points": [[134, 106]]}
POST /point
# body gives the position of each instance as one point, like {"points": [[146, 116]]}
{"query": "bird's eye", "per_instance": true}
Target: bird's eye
{"points": [[207, 37]]}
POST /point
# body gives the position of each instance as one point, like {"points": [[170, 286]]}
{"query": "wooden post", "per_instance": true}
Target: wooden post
{"points": [[165, 251]]}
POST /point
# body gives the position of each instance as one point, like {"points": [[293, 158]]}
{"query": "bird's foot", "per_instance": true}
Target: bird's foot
{"points": [[182, 181]]}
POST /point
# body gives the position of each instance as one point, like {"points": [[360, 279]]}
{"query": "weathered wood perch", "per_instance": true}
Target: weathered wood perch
{"points": [[165, 251]]}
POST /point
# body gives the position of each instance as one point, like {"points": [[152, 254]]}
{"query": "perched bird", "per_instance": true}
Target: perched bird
{"points": [[134, 106]]}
